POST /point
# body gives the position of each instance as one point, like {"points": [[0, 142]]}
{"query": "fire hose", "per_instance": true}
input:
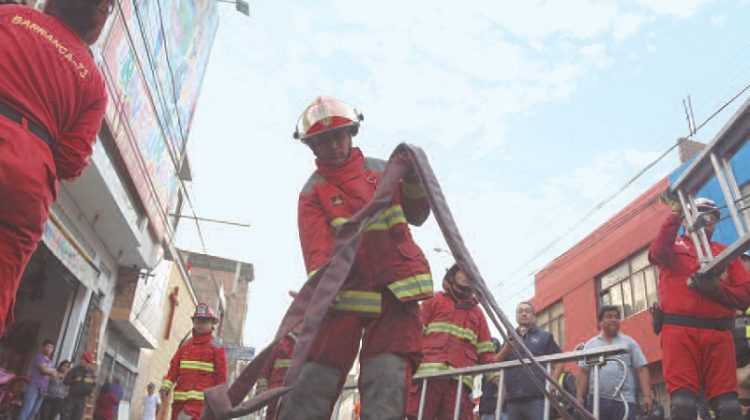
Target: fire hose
{"points": [[318, 293]]}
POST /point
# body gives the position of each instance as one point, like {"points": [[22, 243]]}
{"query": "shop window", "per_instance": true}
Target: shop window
{"points": [[551, 320], [631, 285]]}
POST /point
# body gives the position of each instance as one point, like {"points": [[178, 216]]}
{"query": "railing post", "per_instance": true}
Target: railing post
{"points": [[500, 386], [457, 410], [421, 399], [596, 391], [547, 385]]}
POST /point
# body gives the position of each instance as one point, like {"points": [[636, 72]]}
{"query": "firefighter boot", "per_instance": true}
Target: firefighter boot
{"points": [[313, 396], [382, 384]]}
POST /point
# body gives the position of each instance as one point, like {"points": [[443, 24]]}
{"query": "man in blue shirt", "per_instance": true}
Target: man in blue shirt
{"points": [[524, 400], [611, 373]]}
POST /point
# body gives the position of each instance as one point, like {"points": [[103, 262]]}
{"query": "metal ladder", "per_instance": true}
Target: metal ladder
{"points": [[715, 162]]}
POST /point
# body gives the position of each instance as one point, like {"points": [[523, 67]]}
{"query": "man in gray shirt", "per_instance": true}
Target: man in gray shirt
{"points": [[610, 405]]}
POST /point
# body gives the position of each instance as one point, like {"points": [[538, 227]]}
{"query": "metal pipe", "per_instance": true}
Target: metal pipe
{"points": [[736, 190], [687, 211], [500, 386], [618, 388], [457, 410], [546, 400], [596, 391], [421, 399], [708, 254], [336, 409], [728, 197]]}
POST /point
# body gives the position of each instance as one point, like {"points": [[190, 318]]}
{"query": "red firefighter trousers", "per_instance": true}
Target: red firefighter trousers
{"points": [[27, 182], [398, 330], [696, 355], [440, 401], [190, 408]]}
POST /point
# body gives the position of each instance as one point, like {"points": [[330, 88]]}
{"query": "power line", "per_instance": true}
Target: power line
{"points": [[616, 193]]}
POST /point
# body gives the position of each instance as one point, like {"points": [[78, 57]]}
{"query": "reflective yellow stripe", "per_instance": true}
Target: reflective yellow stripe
{"points": [[391, 216], [433, 367], [282, 363], [196, 365], [410, 287], [312, 273], [413, 190], [356, 301], [485, 347], [262, 383], [167, 384], [492, 375], [188, 395], [455, 330], [747, 331], [394, 215], [335, 223]]}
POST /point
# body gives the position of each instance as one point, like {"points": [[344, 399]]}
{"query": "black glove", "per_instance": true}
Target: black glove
{"points": [[703, 283]]}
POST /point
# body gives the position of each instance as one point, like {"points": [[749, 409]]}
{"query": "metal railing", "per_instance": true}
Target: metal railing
{"points": [[595, 358]]}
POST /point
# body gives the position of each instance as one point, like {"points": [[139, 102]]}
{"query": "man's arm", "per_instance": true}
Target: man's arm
{"points": [[316, 237], [73, 149], [174, 368], [661, 251], [735, 292], [647, 396], [47, 370], [582, 384]]}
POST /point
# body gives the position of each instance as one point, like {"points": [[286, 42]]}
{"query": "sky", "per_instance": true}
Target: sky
{"points": [[531, 113]]}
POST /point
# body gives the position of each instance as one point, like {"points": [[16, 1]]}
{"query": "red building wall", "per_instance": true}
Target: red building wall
{"points": [[572, 276]]}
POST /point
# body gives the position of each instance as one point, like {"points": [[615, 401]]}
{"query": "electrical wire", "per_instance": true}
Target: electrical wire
{"points": [[612, 196]]}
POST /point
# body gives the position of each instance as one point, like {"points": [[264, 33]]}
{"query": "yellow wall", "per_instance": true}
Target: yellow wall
{"points": [[158, 359]]}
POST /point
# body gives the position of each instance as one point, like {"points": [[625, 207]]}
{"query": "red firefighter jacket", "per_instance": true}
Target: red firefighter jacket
{"points": [[456, 335], [387, 255], [198, 364], [274, 370], [48, 75], [677, 260]]}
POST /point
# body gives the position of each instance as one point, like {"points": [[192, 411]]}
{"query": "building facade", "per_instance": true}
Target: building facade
{"points": [[610, 267], [91, 285]]}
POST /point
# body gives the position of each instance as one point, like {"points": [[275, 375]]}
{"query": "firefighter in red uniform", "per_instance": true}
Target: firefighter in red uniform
{"points": [[456, 335], [52, 101], [377, 305], [696, 339], [274, 370], [198, 364]]}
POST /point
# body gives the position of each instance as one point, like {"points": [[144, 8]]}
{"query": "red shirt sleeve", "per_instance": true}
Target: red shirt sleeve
{"points": [[485, 348], [661, 251], [316, 237], [75, 145], [426, 310], [220, 365]]}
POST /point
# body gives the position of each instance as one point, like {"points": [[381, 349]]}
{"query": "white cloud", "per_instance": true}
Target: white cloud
{"points": [[626, 25], [718, 20], [682, 9], [651, 48]]}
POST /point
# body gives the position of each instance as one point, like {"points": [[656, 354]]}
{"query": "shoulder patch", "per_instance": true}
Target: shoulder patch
{"points": [[314, 180], [377, 165]]}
